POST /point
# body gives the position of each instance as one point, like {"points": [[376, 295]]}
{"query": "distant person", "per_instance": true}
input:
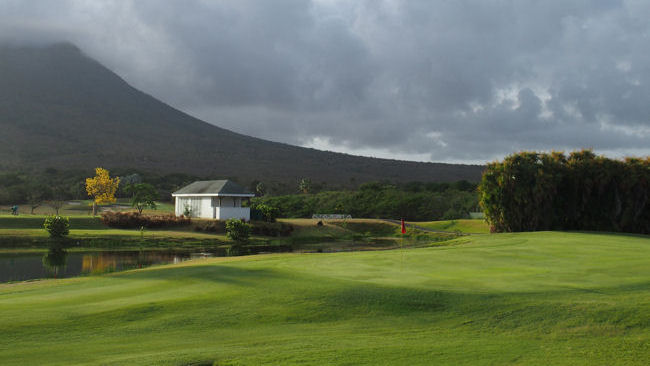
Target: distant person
{"points": [[14, 210]]}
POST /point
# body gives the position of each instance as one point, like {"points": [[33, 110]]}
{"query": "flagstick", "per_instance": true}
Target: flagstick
{"points": [[401, 245], [401, 251]]}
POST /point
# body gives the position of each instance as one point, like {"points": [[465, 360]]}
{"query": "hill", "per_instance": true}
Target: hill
{"points": [[525, 299], [62, 109]]}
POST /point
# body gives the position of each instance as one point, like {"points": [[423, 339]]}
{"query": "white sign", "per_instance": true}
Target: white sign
{"points": [[331, 216]]}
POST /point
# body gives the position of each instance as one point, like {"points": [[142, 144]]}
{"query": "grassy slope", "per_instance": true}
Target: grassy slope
{"points": [[472, 226], [307, 232], [531, 298], [341, 228]]}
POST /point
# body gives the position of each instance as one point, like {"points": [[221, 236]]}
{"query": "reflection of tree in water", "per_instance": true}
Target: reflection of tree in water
{"points": [[109, 262], [55, 260], [98, 263]]}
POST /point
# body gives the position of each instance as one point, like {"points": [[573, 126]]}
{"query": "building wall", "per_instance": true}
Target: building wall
{"points": [[199, 206], [225, 213], [207, 211], [208, 207]]}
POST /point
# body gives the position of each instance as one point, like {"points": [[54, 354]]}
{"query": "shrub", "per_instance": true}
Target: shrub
{"points": [[187, 211], [133, 220], [211, 226], [57, 226], [271, 228], [238, 230], [269, 213]]}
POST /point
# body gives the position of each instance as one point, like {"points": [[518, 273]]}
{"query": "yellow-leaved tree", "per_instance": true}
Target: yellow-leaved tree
{"points": [[102, 188]]}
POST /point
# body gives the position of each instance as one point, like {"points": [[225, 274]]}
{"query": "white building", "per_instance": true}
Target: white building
{"points": [[213, 199]]}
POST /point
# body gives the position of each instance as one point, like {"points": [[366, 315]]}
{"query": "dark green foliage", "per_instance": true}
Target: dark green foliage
{"points": [[126, 182], [70, 184], [21, 187], [36, 193], [260, 189], [532, 191], [265, 228], [55, 259], [304, 185], [377, 200], [268, 213], [134, 220], [57, 226], [238, 230], [143, 195]]}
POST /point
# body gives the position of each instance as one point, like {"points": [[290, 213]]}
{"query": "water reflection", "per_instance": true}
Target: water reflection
{"points": [[55, 260], [59, 263], [112, 261]]}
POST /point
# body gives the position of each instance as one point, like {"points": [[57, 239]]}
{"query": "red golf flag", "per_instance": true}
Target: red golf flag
{"points": [[403, 227]]}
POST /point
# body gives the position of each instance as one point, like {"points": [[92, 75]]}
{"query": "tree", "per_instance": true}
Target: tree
{"points": [[531, 191], [238, 230], [126, 182], [269, 213], [260, 189], [56, 204], [304, 185], [57, 199], [102, 188], [143, 196], [36, 195]]}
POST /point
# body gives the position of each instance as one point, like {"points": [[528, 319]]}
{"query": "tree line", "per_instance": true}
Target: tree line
{"points": [[53, 184], [413, 201], [531, 191]]}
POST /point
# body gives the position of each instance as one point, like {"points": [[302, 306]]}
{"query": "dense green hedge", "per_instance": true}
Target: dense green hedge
{"points": [[532, 191], [376, 200]]}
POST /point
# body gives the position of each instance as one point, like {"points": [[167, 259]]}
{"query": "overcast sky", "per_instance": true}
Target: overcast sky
{"points": [[448, 81]]}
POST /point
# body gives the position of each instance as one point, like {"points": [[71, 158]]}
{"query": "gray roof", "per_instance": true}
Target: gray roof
{"points": [[220, 187]]}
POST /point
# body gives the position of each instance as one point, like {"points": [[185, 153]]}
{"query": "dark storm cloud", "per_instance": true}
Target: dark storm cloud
{"points": [[428, 80]]}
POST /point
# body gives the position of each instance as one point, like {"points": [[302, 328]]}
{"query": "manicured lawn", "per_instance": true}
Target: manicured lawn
{"points": [[88, 226], [114, 233], [36, 222], [471, 226], [524, 299]]}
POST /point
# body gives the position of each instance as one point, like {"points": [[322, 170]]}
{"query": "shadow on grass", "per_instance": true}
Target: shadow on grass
{"points": [[275, 296], [211, 272]]}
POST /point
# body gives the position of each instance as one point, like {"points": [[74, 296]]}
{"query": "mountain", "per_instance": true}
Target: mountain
{"points": [[62, 109]]}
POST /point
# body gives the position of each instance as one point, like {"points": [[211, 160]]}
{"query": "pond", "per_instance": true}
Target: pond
{"points": [[59, 263]]}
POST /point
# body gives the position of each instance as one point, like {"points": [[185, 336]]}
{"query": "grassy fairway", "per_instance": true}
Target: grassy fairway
{"points": [[525, 299], [90, 227], [471, 226], [36, 222]]}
